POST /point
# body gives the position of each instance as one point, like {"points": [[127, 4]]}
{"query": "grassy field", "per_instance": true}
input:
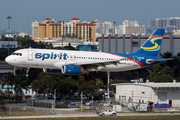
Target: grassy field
{"points": [[5, 113], [117, 118], [8, 113]]}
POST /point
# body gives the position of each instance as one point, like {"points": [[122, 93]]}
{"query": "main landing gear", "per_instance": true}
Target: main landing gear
{"points": [[27, 71]]}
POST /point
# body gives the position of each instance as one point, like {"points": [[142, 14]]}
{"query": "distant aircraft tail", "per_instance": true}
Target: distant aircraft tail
{"points": [[152, 45]]}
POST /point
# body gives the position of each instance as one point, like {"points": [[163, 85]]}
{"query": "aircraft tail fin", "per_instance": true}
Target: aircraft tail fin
{"points": [[152, 44]]}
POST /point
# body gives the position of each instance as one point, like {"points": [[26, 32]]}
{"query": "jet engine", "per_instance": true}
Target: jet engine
{"points": [[73, 70]]}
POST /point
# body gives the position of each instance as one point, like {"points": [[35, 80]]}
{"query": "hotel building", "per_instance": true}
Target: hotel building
{"points": [[56, 29]]}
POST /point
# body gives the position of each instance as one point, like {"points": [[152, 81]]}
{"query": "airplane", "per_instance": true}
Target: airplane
{"points": [[82, 62]]}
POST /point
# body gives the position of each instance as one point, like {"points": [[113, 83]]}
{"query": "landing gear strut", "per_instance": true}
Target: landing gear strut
{"points": [[27, 71]]}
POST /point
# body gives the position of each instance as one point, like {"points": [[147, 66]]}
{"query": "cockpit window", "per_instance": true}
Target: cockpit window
{"points": [[18, 54]]}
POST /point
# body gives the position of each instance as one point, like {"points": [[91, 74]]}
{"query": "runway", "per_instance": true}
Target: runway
{"points": [[70, 113]]}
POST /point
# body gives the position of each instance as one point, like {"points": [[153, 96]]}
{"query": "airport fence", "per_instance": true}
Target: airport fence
{"points": [[23, 111], [88, 111], [51, 103], [45, 113]]}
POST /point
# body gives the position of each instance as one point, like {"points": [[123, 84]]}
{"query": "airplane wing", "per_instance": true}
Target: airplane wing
{"points": [[151, 60], [89, 65]]}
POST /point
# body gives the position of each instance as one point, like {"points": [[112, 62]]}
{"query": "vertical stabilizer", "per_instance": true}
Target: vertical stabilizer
{"points": [[152, 44]]}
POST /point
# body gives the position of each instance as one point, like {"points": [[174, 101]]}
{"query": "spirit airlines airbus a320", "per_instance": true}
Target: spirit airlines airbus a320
{"points": [[81, 62]]}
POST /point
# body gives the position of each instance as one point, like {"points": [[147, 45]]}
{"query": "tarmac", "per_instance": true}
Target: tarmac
{"points": [[90, 115], [70, 113]]}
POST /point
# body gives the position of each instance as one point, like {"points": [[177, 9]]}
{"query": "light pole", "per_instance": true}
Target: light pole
{"points": [[132, 101], [114, 28], [108, 74], [62, 43], [9, 30]]}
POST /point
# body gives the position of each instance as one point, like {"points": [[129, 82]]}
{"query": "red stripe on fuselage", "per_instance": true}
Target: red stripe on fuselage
{"points": [[142, 65]]}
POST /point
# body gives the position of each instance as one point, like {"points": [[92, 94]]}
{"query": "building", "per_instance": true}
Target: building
{"points": [[22, 34], [135, 30], [107, 28], [169, 24], [119, 30], [28, 92], [130, 44], [149, 92], [132, 27], [5, 68], [129, 23], [65, 42], [57, 29]]}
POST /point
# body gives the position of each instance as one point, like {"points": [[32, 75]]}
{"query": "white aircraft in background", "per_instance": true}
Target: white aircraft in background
{"points": [[81, 62]]}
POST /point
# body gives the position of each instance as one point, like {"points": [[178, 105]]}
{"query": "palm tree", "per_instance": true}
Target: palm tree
{"points": [[158, 70], [9, 80], [177, 65], [99, 83], [37, 86], [47, 82], [168, 55], [64, 87], [2, 99], [21, 82]]}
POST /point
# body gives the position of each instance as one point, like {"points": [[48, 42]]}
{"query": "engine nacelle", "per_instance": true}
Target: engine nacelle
{"points": [[73, 70], [52, 71]]}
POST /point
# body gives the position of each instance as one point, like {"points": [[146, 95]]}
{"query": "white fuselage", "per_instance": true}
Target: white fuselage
{"points": [[54, 59]]}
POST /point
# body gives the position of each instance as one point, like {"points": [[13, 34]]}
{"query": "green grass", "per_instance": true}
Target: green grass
{"points": [[5, 113], [117, 118], [85, 110]]}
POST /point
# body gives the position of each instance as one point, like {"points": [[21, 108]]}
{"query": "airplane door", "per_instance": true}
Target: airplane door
{"points": [[30, 55]]}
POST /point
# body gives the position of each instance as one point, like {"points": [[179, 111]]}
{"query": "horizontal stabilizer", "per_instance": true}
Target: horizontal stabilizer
{"points": [[151, 60]]}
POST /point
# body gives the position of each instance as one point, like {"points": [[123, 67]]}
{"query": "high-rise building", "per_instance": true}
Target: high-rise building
{"points": [[119, 30], [135, 30], [57, 29], [169, 24], [107, 28], [132, 27]]}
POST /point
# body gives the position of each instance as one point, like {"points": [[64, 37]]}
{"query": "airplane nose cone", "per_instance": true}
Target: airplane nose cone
{"points": [[8, 60]]}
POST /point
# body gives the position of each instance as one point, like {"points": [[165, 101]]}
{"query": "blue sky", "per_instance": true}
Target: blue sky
{"points": [[23, 12]]}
